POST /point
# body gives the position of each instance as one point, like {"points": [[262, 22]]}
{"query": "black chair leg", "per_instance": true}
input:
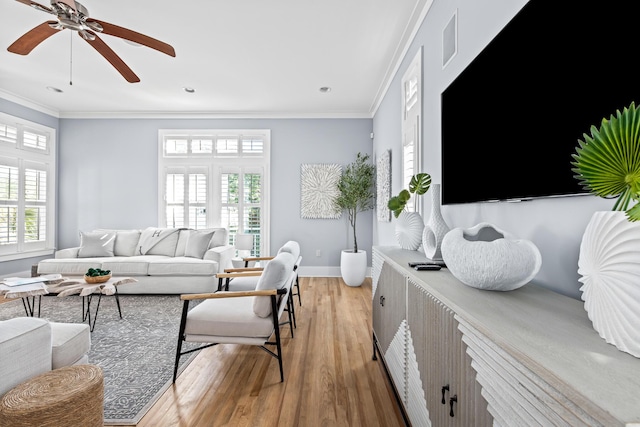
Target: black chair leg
{"points": [[183, 322]]}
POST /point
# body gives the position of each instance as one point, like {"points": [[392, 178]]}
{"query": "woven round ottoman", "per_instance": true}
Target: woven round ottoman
{"points": [[69, 396]]}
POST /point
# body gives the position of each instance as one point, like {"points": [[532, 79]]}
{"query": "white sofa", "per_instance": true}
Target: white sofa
{"points": [[163, 260], [30, 346]]}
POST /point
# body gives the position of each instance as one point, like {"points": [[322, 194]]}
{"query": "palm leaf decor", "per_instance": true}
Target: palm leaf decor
{"points": [[607, 163]]}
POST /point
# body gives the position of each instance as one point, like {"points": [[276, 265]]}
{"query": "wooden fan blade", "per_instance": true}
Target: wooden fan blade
{"points": [[38, 6], [32, 38], [124, 33], [113, 58]]}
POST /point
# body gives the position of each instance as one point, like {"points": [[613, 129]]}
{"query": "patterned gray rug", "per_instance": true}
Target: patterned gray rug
{"points": [[136, 352]]}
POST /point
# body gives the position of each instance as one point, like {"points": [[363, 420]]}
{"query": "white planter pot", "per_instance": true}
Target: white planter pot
{"points": [[609, 266], [353, 267]]}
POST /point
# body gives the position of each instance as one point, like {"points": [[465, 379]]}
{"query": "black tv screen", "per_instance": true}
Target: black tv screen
{"points": [[512, 119]]}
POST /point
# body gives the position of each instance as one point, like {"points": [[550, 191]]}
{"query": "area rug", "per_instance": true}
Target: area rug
{"points": [[136, 353]]}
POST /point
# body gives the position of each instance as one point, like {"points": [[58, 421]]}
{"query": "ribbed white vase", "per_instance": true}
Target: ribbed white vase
{"points": [[409, 226], [609, 266], [435, 228]]}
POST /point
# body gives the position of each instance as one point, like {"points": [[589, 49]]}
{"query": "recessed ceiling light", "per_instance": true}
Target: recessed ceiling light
{"points": [[189, 89], [54, 89], [325, 89]]}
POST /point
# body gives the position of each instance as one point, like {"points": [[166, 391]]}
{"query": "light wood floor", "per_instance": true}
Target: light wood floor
{"points": [[330, 377]]}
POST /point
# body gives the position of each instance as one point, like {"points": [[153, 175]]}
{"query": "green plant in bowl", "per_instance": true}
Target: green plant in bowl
{"points": [[607, 162]]}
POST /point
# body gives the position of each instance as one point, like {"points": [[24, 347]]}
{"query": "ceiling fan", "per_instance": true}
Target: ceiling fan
{"points": [[74, 16]]}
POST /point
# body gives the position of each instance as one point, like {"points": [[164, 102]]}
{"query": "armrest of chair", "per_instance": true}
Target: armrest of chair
{"points": [[243, 269], [247, 260], [261, 293], [230, 275]]}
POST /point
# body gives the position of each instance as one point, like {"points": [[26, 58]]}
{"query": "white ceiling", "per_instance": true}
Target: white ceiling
{"points": [[243, 57]]}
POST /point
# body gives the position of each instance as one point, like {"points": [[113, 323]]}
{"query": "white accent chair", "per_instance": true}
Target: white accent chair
{"points": [[242, 317]]}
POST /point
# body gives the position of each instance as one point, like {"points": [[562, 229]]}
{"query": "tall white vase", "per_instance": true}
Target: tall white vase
{"points": [[609, 266], [409, 226], [435, 228]]}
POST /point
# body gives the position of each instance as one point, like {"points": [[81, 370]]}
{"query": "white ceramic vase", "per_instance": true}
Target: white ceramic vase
{"points": [[353, 267], [609, 266], [486, 257], [435, 228], [409, 226]]}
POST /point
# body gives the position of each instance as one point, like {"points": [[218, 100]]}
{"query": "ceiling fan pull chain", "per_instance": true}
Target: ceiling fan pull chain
{"points": [[70, 58]]}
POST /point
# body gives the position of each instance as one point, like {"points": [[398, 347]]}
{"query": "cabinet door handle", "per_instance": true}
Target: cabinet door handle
{"points": [[444, 389], [382, 300], [451, 401]]}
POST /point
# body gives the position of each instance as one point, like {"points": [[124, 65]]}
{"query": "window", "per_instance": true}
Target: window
{"points": [[27, 188], [411, 113], [216, 178]]}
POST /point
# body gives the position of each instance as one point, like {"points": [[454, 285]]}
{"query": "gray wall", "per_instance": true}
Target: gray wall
{"points": [[108, 176], [554, 225], [108, 168]]}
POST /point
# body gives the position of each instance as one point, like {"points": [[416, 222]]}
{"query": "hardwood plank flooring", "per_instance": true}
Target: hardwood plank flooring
{"points": [[330, 377]]}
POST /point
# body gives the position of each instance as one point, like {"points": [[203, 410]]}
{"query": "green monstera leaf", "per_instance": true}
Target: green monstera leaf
{"points": [[607, 163], [419, 184]]}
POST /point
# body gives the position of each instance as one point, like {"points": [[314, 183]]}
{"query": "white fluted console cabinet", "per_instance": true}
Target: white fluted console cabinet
{"points": [[460, 356]]}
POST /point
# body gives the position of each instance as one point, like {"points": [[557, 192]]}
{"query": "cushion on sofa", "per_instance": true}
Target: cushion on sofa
{"points": [[220, 237], [183, 236], [126, 242], [69, 266], [158, 241], [96, 244], [182, 266], [198, 243]]}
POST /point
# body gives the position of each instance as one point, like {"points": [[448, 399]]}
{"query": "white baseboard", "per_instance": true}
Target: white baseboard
{"points": [[323, 271]]}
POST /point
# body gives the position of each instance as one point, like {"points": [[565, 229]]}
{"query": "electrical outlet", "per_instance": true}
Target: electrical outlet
{"points": [[318, 253]]}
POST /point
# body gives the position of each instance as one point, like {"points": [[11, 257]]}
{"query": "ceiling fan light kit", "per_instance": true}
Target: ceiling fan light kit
{"points": [[71, 15]]}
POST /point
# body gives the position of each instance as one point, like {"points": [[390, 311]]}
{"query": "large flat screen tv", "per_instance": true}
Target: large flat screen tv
{"points": [[512, 118]]}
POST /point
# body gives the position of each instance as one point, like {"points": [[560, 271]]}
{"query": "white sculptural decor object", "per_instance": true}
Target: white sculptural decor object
{"points": [[435, 228], [409, 226], [486, 257], [609, 266]]}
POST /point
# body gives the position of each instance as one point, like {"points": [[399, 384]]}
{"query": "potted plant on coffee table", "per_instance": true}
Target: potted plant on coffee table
{"points": [[356, 194]]}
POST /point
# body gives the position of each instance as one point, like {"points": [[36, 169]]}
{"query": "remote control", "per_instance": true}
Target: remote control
{"points": [[413, 264], [427, 267]]}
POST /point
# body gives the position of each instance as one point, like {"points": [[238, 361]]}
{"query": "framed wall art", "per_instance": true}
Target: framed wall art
{"points": [[318, 191], [383, 186]]}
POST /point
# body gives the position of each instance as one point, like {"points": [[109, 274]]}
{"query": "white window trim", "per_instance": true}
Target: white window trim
{"points": [[216, 164], [411, 123], [26, 155]]}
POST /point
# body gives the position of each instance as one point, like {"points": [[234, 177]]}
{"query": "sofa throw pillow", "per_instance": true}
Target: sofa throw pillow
{"points": [[274, 276], [96, 244], [198, 243], [126, 242], [158, 241]]}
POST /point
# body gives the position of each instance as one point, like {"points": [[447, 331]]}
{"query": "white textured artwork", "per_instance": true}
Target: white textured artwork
{"points": [[383, 186], [319, 189]]}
